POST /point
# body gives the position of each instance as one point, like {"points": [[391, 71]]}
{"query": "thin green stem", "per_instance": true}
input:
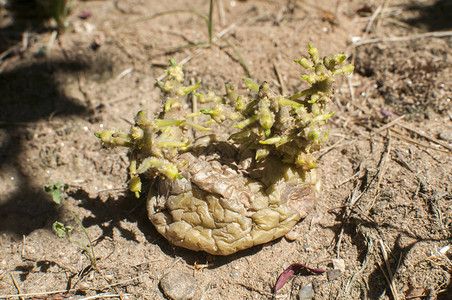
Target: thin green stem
{"points": [[246, 122], [306, 92], [241, 60], [91, 255], [93, 261], [209, 22]]}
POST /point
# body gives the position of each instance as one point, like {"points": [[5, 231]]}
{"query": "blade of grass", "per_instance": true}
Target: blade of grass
{"points": [[239, 56], [218, 36], [91, 255], [209, 30], [209, 22]]}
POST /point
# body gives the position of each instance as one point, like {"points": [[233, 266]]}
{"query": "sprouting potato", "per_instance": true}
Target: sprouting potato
{"points": [[222, 196]]}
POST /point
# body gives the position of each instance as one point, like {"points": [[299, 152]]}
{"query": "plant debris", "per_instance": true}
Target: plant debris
{"points": [[291, 270]]}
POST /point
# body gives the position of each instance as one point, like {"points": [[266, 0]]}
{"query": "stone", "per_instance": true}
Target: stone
{"points": [[306, 293], [235, 274], [446, 135], [292, 235], [333, 274], [178, 285], [339, 264]]}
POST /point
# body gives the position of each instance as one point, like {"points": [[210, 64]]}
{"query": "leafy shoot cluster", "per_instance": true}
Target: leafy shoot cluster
{"points": [[289, 127]]}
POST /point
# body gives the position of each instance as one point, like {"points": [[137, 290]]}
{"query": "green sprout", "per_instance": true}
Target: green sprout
{"points": [[58, 193], [290, 128], [156, 142], [58, 10]]}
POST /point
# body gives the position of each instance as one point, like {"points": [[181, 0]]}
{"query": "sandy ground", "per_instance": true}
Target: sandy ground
{"points": [[386, 205]]}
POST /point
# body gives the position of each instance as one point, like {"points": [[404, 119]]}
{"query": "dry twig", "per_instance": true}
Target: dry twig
{"points": [[352, 199], [383, 8], [404, 38], [396, 134], [280, 80], [100, 296], [390, 124], [221, 12], [382, 169], [16, 286], [360, 169], [253, 289], [425, 136], [372, 19], [389, 277], [328, 149]]}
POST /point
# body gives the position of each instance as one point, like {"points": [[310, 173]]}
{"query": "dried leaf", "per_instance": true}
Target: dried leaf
{"points": [[291, 270]]}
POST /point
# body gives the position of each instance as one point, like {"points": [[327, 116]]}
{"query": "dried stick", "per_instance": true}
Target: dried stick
{"points": [[351, 177], [372, 19], [382, 171], [404, 38], [280, 80], [350, 89], [384, 7], [108, 286], [389, 277], [221, 12], [16, 286], [425, 136], [100, 296], [352, 199], [402, 137], [390, 124]]}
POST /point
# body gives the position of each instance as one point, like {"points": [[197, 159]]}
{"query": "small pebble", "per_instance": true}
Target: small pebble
{"points": [[83, 286], [235, 274], [446, 135], [292, 235], [333, 274], [178, 286], [339, 264], [308, 248], [306, 293]]}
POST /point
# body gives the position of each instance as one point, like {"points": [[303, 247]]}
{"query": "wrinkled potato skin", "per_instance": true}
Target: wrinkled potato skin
{"points": [[221, 209]]}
